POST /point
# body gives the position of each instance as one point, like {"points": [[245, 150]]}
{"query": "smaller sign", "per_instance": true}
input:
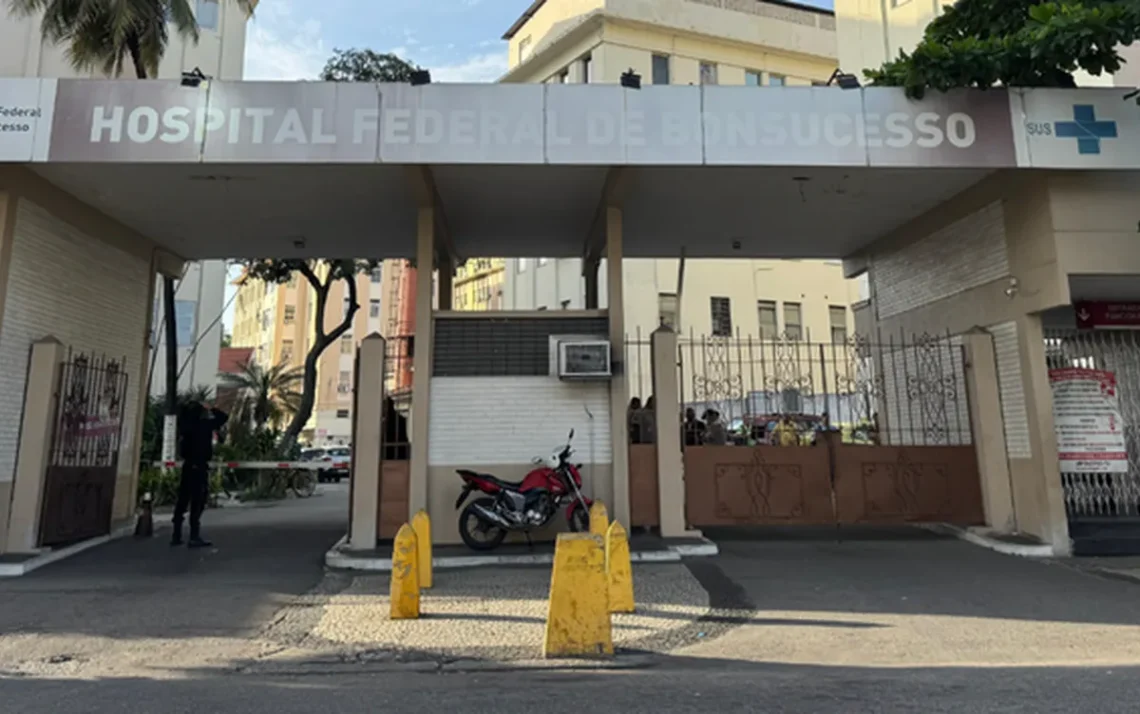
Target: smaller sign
{"points": [[1087, 421], [1117, 315]]}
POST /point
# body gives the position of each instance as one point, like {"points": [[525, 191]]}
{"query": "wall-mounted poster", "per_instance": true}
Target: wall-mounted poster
{"points": [[1086, 417]]}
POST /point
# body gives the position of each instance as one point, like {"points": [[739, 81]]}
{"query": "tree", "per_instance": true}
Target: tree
{"points": [[366, 66], [264, 394], [1015, 43], [321, 276], [227, 338]]}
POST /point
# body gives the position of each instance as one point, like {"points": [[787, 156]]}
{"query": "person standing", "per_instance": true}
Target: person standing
{"points": [[196, 429]]}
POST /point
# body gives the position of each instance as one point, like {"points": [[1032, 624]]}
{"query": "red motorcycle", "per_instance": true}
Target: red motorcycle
{"points": [[525, 505]]}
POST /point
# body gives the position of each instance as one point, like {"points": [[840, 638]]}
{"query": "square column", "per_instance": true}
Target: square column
{"points": [[619, 385], [367, 442], [422, 359], [670, 462], [984, 393], [590, 273]]}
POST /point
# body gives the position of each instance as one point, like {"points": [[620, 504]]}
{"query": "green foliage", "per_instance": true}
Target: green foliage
{"points": [[162, 485], [1015, 43], [366, 66], [263, 395], [102, 35], [151, 448]]}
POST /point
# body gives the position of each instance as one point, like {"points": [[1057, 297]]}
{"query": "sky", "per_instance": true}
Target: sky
{"points": [[458, 40]]}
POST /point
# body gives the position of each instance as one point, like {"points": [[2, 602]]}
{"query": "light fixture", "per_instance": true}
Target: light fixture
{"points": [[843, 79], [193, 78], [631, 79], [420, 77]]}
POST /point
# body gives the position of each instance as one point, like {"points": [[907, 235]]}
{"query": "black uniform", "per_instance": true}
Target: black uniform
{"points": [[196, 427]]}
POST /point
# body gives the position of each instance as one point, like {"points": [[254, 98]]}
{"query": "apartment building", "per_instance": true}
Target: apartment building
{"points": [[873, 31], [277, 321], [478, 285], [728, 42], [220, 52]]}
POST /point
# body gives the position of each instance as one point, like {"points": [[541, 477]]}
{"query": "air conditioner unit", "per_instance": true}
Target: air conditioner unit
{"points": [[584, 360]]}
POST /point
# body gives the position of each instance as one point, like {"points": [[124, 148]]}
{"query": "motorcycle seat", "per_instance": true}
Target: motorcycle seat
{"points": [[501, 483]]}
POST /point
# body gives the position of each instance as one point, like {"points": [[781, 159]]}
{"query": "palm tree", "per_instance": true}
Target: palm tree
{"points": [[264, 395], [101, 35]]}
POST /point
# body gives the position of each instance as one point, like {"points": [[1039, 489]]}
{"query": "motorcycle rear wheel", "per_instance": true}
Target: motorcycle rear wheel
{"points": [[478, 534]]}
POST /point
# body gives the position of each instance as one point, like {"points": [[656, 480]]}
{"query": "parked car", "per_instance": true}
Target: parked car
{"points": [[339, 459]]}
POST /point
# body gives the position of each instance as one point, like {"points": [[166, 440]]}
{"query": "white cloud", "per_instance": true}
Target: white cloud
{"points": [[478, 68], [280, 46]]}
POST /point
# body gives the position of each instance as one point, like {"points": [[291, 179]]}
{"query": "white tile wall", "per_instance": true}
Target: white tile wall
{"points": [[962, 255], [510, 420], [1013, 411], [90, 296]]}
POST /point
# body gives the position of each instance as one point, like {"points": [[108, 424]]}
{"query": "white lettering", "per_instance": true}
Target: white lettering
{"points": [[553, 138], [397, 126], [429, 126], [809, 137], [740, 130], [831, 129], [775, 133], [291, 129], [713, 128], [600, 129], [494, 129], [635, 128], [135, 130], [929, 133], [100, 122], [463, 127], [869, 132], [319, 137], [364, 120], [528, 131], [208, 120], [674, 131], [900, 133], [960, 130], [177, 128], [234, 135]]}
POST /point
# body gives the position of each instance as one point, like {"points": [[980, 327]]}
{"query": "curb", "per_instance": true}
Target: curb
{"points": [[322, 668], [974, 537], [337, 558], [15, 570]]}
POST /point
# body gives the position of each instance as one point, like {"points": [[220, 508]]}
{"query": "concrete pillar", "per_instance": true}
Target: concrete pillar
{"points": [[7, 235], [619, 385], [34, 452], [1049, 509], [670, 464], [590, 273], [367, 441], [421, 362], [984, 394], [126, 502]]}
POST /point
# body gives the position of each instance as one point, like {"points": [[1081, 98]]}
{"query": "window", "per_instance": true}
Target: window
{"points": [[346, 344], [286, 350], [525, 47], [667, 310], [344, 382], [708, 73], [562, 77], [587, 69], [374, 308], [661, 69], [376, 275], [290, 314], [776, 80], [838, 319], [769, 330], [207, 14], [341, 413], [721, 316], [793, 321], [523, 264], [347, 308], [266, 319], [752, 79]]}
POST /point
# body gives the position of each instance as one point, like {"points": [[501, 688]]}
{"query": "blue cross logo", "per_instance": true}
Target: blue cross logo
{"points": [[1086, 129]]}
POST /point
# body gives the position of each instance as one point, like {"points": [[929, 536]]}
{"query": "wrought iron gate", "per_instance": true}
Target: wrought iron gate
{"points": [[1104, 497], [79, 486]]}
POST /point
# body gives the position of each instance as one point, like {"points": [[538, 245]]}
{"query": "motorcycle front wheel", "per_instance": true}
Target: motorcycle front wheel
{"points": [[477, 533], [579, 519]]}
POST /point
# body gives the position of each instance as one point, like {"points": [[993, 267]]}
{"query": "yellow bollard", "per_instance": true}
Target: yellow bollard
{"points": [[405, 590], [421, 524], [578, 619], [599, 519], [619, 571]]}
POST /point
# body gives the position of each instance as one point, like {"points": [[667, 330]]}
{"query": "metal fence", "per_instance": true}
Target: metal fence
{"points": [[893, 390], [89, 418], [1095, 496]]}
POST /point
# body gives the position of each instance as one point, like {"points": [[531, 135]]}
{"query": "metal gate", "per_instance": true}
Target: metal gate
{"points": [[1107, 497], [787, 431], [79, 486]]}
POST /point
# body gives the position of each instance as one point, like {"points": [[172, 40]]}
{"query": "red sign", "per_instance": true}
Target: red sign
{"points": [[1121, 315]]}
